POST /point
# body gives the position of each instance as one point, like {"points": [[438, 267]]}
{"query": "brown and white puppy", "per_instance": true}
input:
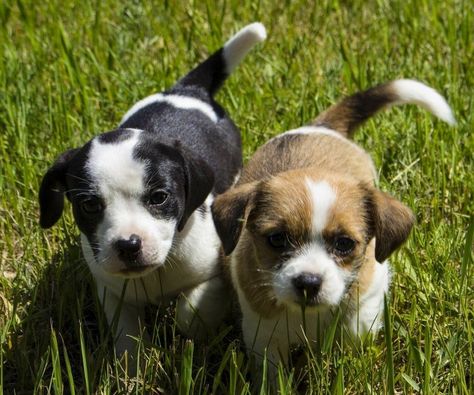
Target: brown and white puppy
{"points": [[308, 230]]}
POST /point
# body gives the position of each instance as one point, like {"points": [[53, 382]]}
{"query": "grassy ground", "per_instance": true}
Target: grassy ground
{"points": [[71, 69]]}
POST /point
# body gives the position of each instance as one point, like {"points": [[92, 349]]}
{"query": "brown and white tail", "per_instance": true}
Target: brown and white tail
{"points": [[352, 111]]}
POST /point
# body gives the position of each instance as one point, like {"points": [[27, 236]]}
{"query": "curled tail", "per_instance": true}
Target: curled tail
{"points": [[211, 73], [352, 111]]}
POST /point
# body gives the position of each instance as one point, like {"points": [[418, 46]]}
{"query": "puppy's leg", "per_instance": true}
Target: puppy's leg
{"points": [[265, 343], [367, 314], [201, 310], [127, 322]]}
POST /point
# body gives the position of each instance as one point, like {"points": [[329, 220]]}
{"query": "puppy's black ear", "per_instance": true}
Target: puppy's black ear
{"points": [[51, 193], [392, 222], [199, 181], [230, 211]]}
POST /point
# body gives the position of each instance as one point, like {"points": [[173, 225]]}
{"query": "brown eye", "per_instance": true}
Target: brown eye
{"points": [[157, 197], [278, 240], [92, 205], [344, 245]]}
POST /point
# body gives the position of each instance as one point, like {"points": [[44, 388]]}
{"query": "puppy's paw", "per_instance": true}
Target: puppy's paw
{"points": [[200, 311]]}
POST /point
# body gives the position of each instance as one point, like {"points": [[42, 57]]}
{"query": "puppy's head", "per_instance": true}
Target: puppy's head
{"points": [[130, 195], [305, 235]]}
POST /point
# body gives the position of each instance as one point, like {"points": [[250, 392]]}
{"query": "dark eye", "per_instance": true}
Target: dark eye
{"points": [[157, 197], [278, 240], [344, 245], [92, 205]]}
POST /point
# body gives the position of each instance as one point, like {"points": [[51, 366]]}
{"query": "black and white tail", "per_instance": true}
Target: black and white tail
{"points": [[352, 111], [211, 73]]}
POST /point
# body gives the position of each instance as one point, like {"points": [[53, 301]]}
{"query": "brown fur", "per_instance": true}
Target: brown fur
{"points": [[283, 203], [272, 196], [327, 153], [348, 114]]}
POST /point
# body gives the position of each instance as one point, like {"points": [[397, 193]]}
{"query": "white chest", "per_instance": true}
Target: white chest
{"points": [[192, 260]]}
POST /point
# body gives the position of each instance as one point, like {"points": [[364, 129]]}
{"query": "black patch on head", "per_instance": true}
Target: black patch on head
{"points": [[115, 136], [80, 188], [163, 172], [68, 176], [53, 186], [218, 144], [186, 178]]}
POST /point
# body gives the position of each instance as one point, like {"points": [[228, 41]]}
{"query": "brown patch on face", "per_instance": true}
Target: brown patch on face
{"points": [[284, 204], [281, 205], [366, 272], [229, 212], [348, 218], [392, 221]]}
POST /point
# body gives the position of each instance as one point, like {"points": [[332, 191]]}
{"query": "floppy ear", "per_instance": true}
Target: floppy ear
{"points": [[51, 193], [230, 211], [199, 181], [392, 222]]}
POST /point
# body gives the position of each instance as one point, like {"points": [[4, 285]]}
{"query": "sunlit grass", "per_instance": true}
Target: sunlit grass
{"points": [[69, 70]]}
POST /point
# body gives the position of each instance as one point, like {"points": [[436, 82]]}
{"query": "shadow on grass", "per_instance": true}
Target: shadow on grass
{"points": [[60, 303], [62, 343]]}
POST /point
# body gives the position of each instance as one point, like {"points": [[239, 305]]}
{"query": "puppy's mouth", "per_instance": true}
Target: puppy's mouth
{"points": [[136, 271]]}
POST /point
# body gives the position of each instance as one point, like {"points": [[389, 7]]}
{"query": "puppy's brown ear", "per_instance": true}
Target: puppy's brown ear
{"points": [[53, 186], [230, 211], [392, 222]]}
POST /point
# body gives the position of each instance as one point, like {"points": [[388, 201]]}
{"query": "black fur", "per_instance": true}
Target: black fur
{"points": [[187, 153]]}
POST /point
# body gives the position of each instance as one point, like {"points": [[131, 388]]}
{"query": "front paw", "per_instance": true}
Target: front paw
{"points": [[200, 311], [130, 353]]}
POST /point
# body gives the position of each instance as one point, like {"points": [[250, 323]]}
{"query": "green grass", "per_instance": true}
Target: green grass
{"points": [[69, 70]]}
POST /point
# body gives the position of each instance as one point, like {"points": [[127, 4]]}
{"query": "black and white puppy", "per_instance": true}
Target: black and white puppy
{"points": [[141, 197]]}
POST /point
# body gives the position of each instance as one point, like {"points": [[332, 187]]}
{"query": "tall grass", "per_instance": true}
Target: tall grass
{"points": [[69, 70]]}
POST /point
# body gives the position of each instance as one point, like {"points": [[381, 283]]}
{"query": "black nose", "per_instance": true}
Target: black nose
{"points": [[307, 286], [129, 250]]}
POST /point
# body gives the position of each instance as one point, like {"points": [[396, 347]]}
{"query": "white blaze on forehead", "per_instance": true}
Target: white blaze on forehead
{"points": [[178, 101], [323, 197], [113, 167]]}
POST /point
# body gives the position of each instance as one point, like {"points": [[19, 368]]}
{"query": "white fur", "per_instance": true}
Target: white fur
{"points": [[192, 261], [197, 242], [178, 262], [120, 184], [181, 102], [368, 316], [315, 260], [323, 197], [202, 308], [275, 336], [114, 176], [319, 130], [241, 43], [414, 92]]}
